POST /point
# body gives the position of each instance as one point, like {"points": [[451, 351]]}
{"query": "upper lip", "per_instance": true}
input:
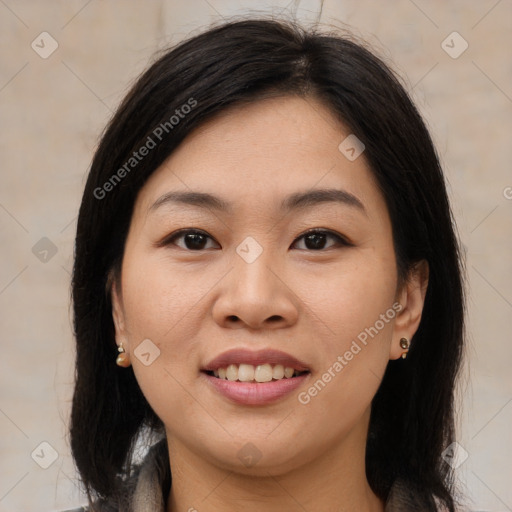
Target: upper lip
{"points": [[244, 356]]}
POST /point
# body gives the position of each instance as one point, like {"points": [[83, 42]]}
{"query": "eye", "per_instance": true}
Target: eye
{"points": [[315, 239], [194, 239]]}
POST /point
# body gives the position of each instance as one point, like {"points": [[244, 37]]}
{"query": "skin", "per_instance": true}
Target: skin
{"points": [[194, 304]]}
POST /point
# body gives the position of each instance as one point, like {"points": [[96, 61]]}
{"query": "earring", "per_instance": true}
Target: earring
{"points": [[123, 359], [404, 343]]}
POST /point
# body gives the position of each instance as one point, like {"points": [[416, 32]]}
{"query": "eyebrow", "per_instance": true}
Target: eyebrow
{"points": [[295, 201]]}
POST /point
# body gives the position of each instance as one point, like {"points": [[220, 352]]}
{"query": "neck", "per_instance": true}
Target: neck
{"points": [[334, 480]]}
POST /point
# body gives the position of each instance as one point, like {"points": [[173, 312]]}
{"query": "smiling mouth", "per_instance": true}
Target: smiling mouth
{"points": [[255, 374]]}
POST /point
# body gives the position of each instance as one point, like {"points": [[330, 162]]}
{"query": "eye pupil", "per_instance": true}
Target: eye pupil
{"points": [[318, 244], [197, 239]]}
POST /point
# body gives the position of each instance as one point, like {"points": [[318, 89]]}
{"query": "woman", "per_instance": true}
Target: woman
{"points": [[267, 286]]}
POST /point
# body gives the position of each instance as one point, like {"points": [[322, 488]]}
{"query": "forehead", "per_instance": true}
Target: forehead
{"points": [[253, 155]]}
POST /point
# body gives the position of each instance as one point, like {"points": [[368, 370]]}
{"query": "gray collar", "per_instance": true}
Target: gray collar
{"points": [[148, 495]]}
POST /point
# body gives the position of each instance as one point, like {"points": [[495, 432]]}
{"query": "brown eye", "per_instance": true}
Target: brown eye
{"points": [[316, 240], [197, 240], [193, 239]]}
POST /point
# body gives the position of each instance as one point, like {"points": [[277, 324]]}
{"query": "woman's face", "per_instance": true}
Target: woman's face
{"points": [[253, 279]]}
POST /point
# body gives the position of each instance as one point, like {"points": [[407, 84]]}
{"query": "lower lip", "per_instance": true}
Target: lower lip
{"points": [[255, 393]]}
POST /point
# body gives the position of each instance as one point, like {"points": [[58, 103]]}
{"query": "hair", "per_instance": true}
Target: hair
{"points": [[412, 415]]}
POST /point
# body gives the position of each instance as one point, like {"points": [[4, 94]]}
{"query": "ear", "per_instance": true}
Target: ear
{"points": [[118, 313], [412, 298]]}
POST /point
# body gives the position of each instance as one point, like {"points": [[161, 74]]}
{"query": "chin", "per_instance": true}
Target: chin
{"points": [[260, 456]]}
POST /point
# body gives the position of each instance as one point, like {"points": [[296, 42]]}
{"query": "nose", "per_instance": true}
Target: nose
{"points": [[256, 295]]}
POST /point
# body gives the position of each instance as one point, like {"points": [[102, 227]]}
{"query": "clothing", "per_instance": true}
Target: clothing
{"points": [[150, 492]]}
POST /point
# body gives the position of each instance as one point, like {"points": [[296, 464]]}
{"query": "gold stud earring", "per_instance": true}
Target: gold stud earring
{"points": [[123, 359], [404, 343]]}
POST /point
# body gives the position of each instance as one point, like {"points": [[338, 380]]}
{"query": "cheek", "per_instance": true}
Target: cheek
{"points": [[163, 306], [353, 296], [355, 316], [161, 299]]}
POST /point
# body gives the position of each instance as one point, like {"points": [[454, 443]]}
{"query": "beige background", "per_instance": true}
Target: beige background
{"points": [[54, 109]]}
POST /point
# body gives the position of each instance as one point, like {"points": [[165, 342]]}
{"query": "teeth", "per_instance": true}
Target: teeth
{"points": [[263, 373], [232, 372], [278, 371], [250, 373], [245, 372]]}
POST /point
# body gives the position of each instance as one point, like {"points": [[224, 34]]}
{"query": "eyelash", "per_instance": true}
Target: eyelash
{"points": [[179, 234]]}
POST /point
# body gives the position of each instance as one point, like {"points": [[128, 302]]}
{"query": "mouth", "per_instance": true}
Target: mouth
{"points": [[252, 392], [255, 378], [255, 373], [243, 365]]}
